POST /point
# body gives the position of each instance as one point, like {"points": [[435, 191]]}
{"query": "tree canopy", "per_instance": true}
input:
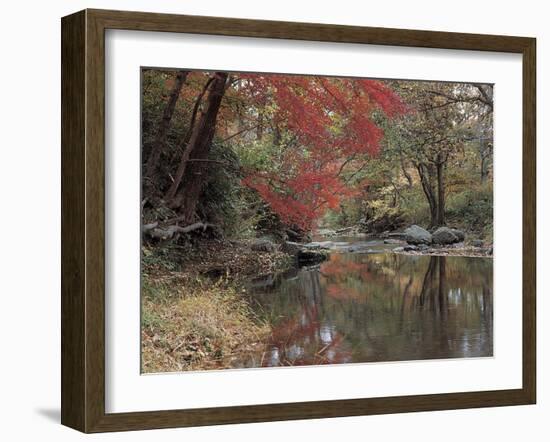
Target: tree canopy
{"points": [[310, 147]]}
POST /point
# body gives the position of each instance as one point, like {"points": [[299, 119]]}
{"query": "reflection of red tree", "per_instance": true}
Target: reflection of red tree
{"points": [[303, 335], [337, 266], [339, 274], [336, 291]]}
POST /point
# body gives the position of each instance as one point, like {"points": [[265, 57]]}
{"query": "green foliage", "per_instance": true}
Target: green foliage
{"points": [[166, 256], [259, 155], [219, 202], [237, 209], [472, 210], [456, 134], [153, 102], [349, 213], [414, 206], [151, 320]]}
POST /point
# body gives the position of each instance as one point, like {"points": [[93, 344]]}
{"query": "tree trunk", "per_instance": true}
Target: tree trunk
{"points": [[160, 140], [260, 127], [483, 170], [276, 135], [425, 175], [484, 164], [395, 195], [440, 167], [194, 112], [192, 185], [201, 136], [404, 170]]}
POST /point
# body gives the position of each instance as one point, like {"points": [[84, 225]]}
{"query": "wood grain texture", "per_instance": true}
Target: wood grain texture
{"points": [[95, 222], [73, 128], [144, 21], [529, 220], [83, 219]]}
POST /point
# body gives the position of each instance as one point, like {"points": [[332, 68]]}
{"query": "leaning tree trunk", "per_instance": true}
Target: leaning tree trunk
{"points": [[192, 184], [185, 195], [160, 140]]}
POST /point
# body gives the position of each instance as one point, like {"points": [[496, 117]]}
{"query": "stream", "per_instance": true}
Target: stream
{"points": [[366, 305]]}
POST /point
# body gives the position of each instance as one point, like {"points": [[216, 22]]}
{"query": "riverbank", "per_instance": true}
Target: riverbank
{"points": [[194, 313], [453, 250], [412, 241]]}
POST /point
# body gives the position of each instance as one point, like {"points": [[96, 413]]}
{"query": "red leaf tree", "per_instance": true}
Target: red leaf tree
{"points": [[331, 124]]}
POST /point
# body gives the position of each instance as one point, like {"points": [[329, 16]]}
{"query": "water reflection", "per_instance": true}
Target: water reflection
{"points": [[381, 307]]}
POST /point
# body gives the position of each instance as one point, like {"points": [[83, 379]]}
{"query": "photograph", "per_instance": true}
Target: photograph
{"points": [[272, 221], [297, 220]]}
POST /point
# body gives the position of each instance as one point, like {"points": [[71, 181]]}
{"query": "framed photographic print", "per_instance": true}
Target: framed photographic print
{"points": [[267, 221]]}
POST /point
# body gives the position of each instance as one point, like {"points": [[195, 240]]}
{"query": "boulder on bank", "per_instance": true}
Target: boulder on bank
{"points": [[263, 245], [309, 256], [297, 235], [459, 234], [445, 235], [291, 248], [417, 235], [306, 254]]}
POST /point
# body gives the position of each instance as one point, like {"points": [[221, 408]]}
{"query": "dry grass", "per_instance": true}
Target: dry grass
{"points": [[201, 327], [194, 315]]}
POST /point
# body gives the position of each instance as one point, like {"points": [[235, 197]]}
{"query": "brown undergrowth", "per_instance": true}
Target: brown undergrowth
{"points": [[194, 314]]}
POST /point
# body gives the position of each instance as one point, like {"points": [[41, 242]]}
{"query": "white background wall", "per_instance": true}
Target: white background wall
{"points": [[30, 217]]}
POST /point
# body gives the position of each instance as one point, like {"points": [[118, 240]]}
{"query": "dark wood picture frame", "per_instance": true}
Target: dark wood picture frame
{"points": [[83, 219]]}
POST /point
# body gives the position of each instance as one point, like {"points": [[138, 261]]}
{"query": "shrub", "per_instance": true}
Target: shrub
{"points": [[472, 210]]}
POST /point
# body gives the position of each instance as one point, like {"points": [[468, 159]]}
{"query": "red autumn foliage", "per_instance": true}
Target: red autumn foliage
{"points": [[331, 120]]}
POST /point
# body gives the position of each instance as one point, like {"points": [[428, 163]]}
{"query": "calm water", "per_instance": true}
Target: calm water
{"points": [[360, 307]]}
